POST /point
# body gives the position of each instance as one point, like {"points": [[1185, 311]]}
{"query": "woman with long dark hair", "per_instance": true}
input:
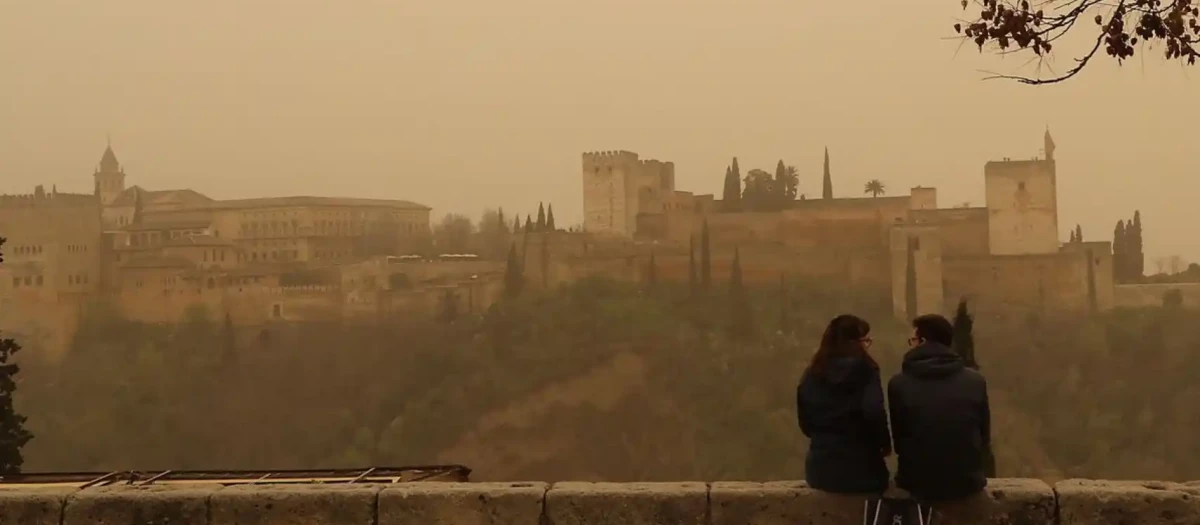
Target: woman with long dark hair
{"points": [[840, 406]]}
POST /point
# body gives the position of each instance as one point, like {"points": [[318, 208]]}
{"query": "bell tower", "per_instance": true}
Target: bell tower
{"points": [[109, 177]]}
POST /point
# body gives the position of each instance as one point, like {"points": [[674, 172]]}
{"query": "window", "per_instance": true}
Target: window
{"points": [[1021, 186], [16, 282], [39, 280]]}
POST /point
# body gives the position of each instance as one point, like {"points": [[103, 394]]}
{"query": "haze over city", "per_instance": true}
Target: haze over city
{"points": [[471, 104]]}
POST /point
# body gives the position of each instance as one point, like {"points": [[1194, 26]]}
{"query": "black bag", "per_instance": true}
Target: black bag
{"points": [[894, 511]]}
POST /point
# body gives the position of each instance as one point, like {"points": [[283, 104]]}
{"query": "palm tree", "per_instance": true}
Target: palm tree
{"points": [[875, 188], [791, 182]]}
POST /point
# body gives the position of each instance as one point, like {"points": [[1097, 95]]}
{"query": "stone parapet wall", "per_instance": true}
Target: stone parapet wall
{"points": [[1006, 501]]}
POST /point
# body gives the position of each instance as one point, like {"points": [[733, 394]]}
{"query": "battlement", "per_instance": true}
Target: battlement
{"points": [[596, 159], [42, 198], [1072, 502]]}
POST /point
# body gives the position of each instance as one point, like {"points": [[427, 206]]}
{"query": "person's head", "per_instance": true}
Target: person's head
{"points": [[931, 328], [846, 336]]}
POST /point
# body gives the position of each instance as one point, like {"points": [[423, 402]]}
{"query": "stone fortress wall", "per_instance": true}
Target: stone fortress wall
{"points": [[1005, 502]]}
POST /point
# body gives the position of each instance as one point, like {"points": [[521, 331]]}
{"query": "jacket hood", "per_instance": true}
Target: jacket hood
{"points": [[932, 360]]}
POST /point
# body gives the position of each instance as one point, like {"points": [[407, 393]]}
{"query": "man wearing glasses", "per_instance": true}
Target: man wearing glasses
{"points": [[941, 422]]}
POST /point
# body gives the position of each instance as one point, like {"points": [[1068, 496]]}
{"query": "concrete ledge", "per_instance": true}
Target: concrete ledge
{"points": [[20, 506], [1005, 502], [462, 504], [173, 504], [575, 503], [1086, 502], [294, 505]]}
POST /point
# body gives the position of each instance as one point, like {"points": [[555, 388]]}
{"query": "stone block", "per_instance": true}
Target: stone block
{"points": [[33, 506], [1085, 502], [783, 503], [1003, 502], [139, 505], [424, 503], [577, 503], [314, 504]]}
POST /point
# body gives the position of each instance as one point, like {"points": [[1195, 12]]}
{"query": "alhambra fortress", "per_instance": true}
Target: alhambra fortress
{"points": [[153, 254]]}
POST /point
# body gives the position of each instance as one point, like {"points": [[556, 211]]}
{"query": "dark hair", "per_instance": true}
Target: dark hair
{"points": [[842, 338], [934, 328]]}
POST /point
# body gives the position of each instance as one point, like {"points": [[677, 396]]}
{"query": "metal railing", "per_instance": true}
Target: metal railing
{"points": [[83, 480]]}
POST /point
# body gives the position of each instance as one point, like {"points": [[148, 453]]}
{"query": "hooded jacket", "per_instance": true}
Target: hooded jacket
{"points": [[842, 413], [941, 423]]}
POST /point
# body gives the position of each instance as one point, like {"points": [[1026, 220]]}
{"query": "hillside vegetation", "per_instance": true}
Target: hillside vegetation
{"points": [[598, 380]]}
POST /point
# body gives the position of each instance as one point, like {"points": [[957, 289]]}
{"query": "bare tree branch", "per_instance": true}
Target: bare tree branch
{"points": [[1015, 26]]}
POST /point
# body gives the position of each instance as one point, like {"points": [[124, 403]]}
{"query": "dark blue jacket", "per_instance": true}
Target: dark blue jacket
{"points": [[842, 413], [942, 424]]}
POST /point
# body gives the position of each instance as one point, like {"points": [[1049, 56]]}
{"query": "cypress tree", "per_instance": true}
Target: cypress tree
{"points": [[742, 322], [692, 263], [1120, 257], [732, 196], [1139, 258], [449, 306], [705, 258], [964, 346], [1078, 233], [651, 272], [550, 218], [1072, 236], [13, 435], [500, 219], [827, 180], [516, 224], [910, 282], [779, 189], [964, 338], [529, 228], [514, 278], [541, 220]]}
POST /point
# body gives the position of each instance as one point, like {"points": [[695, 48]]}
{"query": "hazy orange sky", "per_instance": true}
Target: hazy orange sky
{"points": [[467, 104]]}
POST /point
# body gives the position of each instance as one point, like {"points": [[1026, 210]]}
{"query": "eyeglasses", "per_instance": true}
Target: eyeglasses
{"points": [[866, 341]]}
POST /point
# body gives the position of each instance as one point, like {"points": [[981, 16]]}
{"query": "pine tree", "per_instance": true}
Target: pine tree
{"points": [[742, 318], [514, 278], [13, 435], [529, 228], [910, 282], [1072, 236], [517, 224], [705, 259], [692, 264], [651, 273], [541, 220], [1078, 233], [500, 219], [550, 218], [827, 181]]}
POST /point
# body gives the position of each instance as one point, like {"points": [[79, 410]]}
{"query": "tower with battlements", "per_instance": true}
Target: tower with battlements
{"points": [[621, 191], [1022, 203]]}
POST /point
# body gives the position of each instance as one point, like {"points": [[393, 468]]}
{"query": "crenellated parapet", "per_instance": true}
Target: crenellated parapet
{"points": [[1005, 501]]}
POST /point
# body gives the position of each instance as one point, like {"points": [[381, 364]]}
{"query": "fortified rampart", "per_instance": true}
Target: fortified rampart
{"points": [[1006, 501]]}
